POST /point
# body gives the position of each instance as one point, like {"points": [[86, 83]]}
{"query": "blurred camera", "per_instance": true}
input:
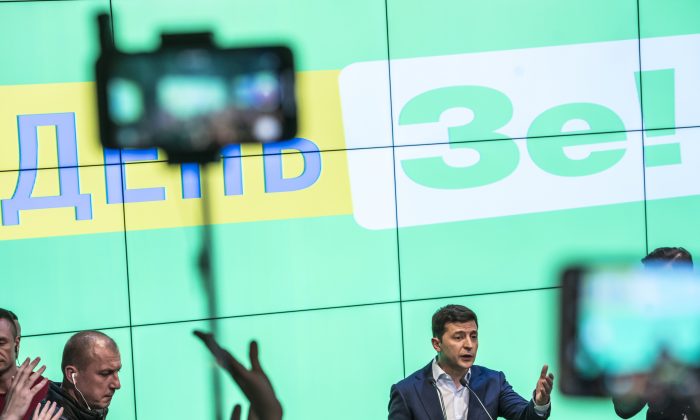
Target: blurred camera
{"points": [[627, 329], [190, 97]]}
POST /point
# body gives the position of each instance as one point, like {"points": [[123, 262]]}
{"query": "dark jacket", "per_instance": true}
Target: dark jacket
{"points": [[670, 410], [415, 398], [71, 409]]}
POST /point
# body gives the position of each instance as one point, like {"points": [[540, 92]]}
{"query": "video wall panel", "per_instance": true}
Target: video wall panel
{"points": [[448, 152], [668, 82], [325, 36], [658, 18], [521, 196], [49, 42], [523, 93], [66, 283], [337, 263], [672, 187], [314, 358], [446, 27], [47, 120], [46, 251]]}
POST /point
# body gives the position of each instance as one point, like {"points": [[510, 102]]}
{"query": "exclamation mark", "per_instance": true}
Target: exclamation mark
{"points": [[659, 112]]}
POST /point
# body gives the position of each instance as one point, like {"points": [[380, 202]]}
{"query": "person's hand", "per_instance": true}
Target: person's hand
{"points": [[264, 404], [236, 415], [544, 387], [47, 412], [23, 388]]}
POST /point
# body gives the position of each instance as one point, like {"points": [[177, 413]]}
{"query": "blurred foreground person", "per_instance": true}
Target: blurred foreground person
{"points": [[90, 366], [452, 387], [642, 390], [9, 346], [254, 383]]}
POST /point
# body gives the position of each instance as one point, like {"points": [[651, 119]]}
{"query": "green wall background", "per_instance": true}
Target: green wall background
{"points": [[341, 312]]}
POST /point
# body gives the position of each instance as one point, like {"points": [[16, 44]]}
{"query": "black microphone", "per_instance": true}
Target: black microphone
{"points": [[442, 403], [465, 384]]}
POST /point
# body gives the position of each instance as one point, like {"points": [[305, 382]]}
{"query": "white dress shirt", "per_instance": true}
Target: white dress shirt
{"points": [[455, 398]]}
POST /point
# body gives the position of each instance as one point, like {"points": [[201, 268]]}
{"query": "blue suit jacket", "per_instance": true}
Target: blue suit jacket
{"points": [[415, 398]]}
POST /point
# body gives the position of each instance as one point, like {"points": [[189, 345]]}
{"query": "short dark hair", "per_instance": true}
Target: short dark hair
{"points": [[17, 326], [79, 348], [10, 317], [669, 255], [451, 313]]}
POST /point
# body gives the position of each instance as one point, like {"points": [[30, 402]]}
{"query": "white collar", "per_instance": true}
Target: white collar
{"points": [[439, 373]]}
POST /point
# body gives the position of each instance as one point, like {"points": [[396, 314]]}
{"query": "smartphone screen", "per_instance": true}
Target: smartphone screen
{"points": [[191, 99], [624, 320]]}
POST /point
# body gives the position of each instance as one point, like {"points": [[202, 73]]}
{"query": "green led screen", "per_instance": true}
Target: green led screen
{"points": [[448, 152]]}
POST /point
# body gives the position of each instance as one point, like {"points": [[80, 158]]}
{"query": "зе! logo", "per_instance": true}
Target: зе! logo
{"points": [[522, 131]]}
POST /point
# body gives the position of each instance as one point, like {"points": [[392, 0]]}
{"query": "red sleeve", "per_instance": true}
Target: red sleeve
{"points": [[39, 397]]}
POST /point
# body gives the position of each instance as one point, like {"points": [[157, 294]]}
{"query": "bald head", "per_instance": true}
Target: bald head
{"points": [[81, 348], [91, 364]]}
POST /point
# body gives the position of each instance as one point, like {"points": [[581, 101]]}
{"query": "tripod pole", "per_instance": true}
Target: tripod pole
{"points": [[209, 283]]}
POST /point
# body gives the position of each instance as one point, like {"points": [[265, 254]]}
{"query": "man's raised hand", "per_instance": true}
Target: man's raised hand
{"points": [[544, 387]]}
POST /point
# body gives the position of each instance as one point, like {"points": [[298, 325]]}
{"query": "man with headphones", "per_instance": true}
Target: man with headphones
{"points": [[452, 387], [90, 365], [9, 347]]}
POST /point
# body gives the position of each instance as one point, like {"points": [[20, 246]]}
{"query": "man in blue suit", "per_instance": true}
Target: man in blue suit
{"points": [[451, 387]]}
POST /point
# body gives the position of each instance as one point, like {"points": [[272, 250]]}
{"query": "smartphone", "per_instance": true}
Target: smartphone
{"points": [[193, 98], [620, 320]]}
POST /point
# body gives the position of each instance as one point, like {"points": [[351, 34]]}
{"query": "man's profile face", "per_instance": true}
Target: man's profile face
{"points": [[8, 344], [457, 347], [99, 380]]}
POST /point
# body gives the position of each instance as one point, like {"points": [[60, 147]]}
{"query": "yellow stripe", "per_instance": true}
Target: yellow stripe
{"points": [[320, 122]]}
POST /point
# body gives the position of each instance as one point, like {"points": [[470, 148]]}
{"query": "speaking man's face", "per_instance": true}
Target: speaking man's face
{"points": [[457, 347], [8, 346], [100, 379]]}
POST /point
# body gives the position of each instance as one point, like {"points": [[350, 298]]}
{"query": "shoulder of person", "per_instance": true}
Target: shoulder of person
{"points": [[478, 370], [54, 388], [418, 375]]}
